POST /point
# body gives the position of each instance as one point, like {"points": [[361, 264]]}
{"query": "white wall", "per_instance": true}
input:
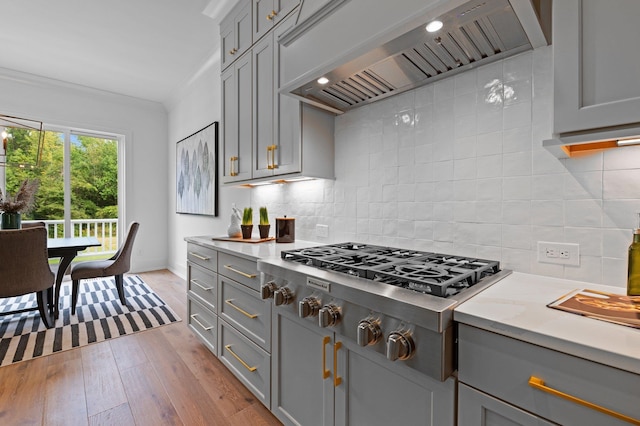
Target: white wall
{"points": [[442, 168], [144, 125], [197, 105]]}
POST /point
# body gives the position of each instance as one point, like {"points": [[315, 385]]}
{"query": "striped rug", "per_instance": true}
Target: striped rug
{"points": [[99, 316]]}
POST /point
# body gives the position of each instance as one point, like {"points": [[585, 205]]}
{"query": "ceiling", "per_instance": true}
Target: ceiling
{"points": [[147, 49]]}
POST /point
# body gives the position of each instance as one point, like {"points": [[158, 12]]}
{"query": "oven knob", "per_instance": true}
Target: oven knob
{"points": [[308, 307], [400, 346], [329, 315], [282, 296], [267, 290], [369, 332]]}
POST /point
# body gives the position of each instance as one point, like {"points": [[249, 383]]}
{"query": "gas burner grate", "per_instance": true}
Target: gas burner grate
{"points": [[431, 273]]}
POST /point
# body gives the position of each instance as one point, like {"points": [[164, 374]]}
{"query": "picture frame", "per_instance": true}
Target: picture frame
{"points": [[197, 172]]}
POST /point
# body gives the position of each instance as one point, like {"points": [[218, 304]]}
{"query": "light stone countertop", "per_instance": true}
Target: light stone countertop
{"points": [[251, 251], [517, 307]]}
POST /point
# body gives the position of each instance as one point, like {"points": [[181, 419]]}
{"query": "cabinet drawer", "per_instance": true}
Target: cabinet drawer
{"points": [[202, 256], [203, 283], [239, 269], [502, 367], [247, 362], [203, 323], [242, 308]]}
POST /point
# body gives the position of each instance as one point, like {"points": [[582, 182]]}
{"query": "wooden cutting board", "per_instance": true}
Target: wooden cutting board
{"points": [[242, 240]]}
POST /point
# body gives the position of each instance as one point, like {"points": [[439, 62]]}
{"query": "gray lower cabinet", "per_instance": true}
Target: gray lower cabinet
{"points": [[319, 378], [227, 314], [509, 381]]}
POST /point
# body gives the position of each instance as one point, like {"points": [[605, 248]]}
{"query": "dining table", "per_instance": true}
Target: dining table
{"points": [[66, 249]]}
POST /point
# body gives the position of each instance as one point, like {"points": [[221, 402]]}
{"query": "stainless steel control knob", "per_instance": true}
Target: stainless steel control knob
{"points": [[308, 307], [267, 289], [369, 332], [329, 315], [400, 346], [282, 296]]}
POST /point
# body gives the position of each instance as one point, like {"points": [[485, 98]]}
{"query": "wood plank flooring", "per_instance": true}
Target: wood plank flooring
{"points": [[163, 376]]}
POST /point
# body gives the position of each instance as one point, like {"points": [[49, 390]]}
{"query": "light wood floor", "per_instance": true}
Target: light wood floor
{"points": [[163, 376]]}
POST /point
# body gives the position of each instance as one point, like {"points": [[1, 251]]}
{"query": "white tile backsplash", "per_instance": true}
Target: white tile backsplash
{"points": [[458, 166]]}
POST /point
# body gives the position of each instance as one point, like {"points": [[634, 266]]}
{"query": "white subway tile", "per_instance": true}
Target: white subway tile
{"points": [[621, 214], [464, 168], [464, 190], [517, 115], [488, 189], [516, 140], [489, 234], [590, 269], [465, 83], [488, 212], [518, 67], [489, 166], [516, 164], [583, 185], [547, 213], [547, 187], [614, 273], [489, 143], [583, 213], [627, 157], [621, 184], [465, 147], [516, 188], [516, 212], [615, 243], [590, 240], [516, 236]]}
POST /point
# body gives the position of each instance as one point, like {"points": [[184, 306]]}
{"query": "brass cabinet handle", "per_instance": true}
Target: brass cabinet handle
{"points": [[272, 15], [538, 383], [232, 169], [336, 379], [271, 157], [194, 317], [240, 360], [325, 373], [201, 286], [233, 51], [198, 256], [242, 311], [244, 274]]}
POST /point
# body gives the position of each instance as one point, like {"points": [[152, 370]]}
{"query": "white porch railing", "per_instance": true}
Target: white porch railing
{"points": [[105, 230]]}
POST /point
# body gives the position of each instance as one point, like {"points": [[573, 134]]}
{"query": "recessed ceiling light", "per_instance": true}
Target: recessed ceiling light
{"points": [[433, 26], [323, 80]]}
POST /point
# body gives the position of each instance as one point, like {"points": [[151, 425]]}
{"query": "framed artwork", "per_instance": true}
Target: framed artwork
{"points": [[197, 172]]}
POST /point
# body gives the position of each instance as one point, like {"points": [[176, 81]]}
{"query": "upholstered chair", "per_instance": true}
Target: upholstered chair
{"points": [[24, 269], [116, 266]]}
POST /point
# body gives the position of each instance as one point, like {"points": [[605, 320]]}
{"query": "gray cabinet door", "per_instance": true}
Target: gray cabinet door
{"points": [[375, 392], [476, 408], [267, 14], [596, 64], [300, 394], [263, 93], [287, 114], [236, 33], [236, 117]]}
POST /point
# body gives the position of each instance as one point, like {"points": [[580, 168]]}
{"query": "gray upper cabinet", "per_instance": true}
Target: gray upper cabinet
{"points": [[596, 64], [236, 120], [267, 13], [236, 33]]}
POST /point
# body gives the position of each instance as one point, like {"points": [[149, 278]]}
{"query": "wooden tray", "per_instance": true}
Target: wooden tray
{"points": [[242, 240]]}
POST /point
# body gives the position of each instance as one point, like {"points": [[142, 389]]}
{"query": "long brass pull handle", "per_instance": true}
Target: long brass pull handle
{"points": [[242, 311], [244, 274], [201, 286], [336, 379], [269, 166], [240, 360], [198, 256], [272, 150], [325, 373], [232, 168], [537, 383], [194, 317]]}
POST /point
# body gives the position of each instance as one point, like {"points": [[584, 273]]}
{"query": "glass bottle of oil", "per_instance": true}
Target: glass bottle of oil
{"points": [[633, 277]]}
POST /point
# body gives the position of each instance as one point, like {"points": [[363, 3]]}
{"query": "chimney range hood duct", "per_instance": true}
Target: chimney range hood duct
{"points": [[473, 34]]}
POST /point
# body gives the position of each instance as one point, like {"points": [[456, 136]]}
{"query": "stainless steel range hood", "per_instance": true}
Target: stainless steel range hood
{"points": [[473, 34]]}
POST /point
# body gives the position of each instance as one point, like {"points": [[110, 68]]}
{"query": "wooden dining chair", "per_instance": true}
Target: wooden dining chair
{"points": [[24, 269], [116, 266]]}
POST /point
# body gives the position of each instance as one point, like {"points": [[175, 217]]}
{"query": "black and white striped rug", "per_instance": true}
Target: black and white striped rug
{"points": [[99, 316]]}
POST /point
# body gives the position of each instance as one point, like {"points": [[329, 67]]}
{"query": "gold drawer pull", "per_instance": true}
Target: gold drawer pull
{"points": [[325, 342], [538, 383], [194, 317], [336, 379], [198, 256], [201, 286], [252, 369], [242, 311], [244, 274]]}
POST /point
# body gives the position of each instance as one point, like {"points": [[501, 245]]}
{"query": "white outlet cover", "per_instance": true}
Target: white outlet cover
{"points": [[565, 253]]}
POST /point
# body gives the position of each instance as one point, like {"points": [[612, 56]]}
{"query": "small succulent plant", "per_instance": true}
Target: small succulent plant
{"points": [[264, 216], [247, 216]]}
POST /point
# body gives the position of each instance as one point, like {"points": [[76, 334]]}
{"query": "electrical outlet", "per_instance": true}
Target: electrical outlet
{"points": [[322, 231], [560, 253]]}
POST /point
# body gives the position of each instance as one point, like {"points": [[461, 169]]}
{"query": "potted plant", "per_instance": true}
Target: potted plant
{"points": [[264, 223], [23, 201], [247, 223]]}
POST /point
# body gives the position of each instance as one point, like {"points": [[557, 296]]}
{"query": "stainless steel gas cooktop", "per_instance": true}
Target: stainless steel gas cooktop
{"points": [[430, 273]]}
